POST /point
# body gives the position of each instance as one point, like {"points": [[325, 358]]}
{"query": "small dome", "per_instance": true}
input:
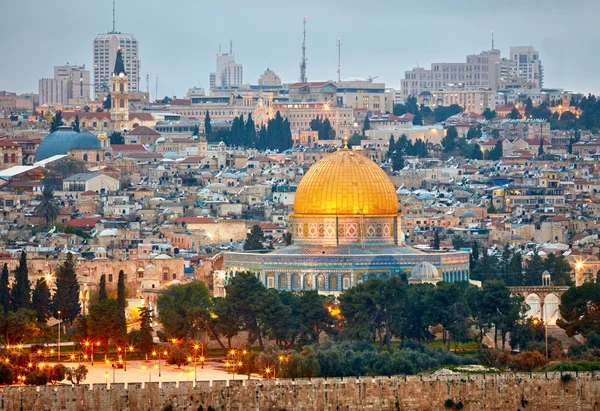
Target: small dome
{"points": [[468, 213], [100, 250], [85, 141], [424, 272], [56, 143], [108, 233]]}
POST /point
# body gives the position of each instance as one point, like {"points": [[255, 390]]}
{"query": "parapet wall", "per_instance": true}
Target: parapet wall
{"points": [[475, 392]]}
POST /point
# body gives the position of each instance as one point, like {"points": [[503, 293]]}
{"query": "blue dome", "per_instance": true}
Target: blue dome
{"points": [[56, 143], [85, 141]]}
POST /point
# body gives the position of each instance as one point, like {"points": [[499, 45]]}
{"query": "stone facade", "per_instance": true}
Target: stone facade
{"points": [[473, 392]]}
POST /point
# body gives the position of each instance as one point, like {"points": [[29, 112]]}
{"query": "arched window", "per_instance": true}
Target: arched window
{"points": [[333, 283], [122, 103], [296, 285], [85, 157], [270, 280], [5, 158], [283, 282], [320, 282], [114, 87], [346, 281], [97, 157], [121, 87], [13, 158]]}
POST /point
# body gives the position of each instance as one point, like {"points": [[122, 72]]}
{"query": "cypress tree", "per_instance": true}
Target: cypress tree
{"points": [[250, 132], [66, 297], [41, 300], [121, 289], [207, 126], [255, 239], [21, 291], [4, 290], [146, 341], [102, 295]]}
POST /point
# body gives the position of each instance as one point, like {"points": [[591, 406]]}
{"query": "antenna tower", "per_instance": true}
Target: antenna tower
{"points": [[156, 92], [303, 62], [492, 39], [231, 47], [339, 46], [114, 19]]}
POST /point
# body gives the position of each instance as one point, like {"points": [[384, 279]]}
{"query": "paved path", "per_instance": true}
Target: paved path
{"points": [[101, 373]]}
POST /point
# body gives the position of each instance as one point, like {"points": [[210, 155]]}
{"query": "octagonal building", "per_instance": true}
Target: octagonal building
{"points": [[345, 229]]}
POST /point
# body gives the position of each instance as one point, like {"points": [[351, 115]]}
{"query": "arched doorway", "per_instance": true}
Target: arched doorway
{"points": [[533, 301], [551, 308]]}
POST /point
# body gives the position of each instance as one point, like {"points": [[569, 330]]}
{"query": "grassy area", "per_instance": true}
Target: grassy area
{"points": [[455, 347], [571, 366]]}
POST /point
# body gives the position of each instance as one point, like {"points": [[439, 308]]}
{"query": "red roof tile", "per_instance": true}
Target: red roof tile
{"points": [[143, 131], [83, 222], [194, 220]]}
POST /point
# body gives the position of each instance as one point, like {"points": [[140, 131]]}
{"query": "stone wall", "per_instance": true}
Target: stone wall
{"points": [[474, 392]]}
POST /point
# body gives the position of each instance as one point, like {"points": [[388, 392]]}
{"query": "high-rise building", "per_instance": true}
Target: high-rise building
{"points": [[528, 65], [70, 85], [228, 72], [105, 54], [269, 78]]}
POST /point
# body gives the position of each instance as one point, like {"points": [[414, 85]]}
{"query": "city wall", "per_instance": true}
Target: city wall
{"points": [[468, 392]]}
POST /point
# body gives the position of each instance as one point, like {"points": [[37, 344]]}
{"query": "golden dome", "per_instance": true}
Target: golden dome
{"points": [[346, 183]]}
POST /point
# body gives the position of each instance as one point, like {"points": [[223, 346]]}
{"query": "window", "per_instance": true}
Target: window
{"points": [[346, 281], [122, 103], [174, 276], [85, 157], [270, 281], [5, 158], [121, 87], [333, 282], [166, 276], [110, 278]]}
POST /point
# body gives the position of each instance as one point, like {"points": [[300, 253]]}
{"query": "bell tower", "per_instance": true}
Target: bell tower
{"points": [[119, 109]]}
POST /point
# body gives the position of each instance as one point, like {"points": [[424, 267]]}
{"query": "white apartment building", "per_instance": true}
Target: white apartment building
{"points": [[365, 94], [105, 54], [528, 65], [70, 86], [53, 91], [228, 72], [484, 71]]}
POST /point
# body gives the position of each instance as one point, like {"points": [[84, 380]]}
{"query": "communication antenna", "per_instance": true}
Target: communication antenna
{"points": [[114, 19], [156, 92], [303, 61], [148, 85], [339, 71], [231, 47], [492, 32]]}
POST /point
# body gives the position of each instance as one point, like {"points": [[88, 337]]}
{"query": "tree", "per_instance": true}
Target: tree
{"points": [[41, 300], [121, 290], [541, 147], [533, 270], [417, 120], [21, 290], [4, 291], [474, 132], [76, 124], [514, 114], [250, 132], [391, 147], [435, 244], [559, 269], [102, 294], [255, 239], [312, 315], [326, 132], [146, 330], [57, 121], [450, 141], [374, 310], [66, 296], [116, 138], [397, 160], [475, 152], [166, 100], [399, 109], [488, 114], [207, 126], [579, 308], [442, 113], [258, 310], [196, 131], [106, 104], [366, 124], [20, 325], [411, 105], [47, 206], [76, 375], [106, 323], [186, 309]]}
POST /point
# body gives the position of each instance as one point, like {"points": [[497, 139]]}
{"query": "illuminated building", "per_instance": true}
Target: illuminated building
{"points": [[346, 229]]}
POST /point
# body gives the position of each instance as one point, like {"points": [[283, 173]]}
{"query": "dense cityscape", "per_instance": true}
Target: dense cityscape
{"points": [[299, 243]]}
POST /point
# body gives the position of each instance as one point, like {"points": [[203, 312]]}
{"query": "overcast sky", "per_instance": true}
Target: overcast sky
{"points": [[179, 38]]}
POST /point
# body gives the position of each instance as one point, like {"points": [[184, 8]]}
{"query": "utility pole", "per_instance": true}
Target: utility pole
{"points": [[303, 61], [339, 71]]}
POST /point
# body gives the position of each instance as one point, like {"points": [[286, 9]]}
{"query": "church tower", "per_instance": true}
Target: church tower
{"points": [[119, 111]]}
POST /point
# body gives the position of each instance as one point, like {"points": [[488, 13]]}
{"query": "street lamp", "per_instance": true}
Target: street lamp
{"points": [[59, 336]]}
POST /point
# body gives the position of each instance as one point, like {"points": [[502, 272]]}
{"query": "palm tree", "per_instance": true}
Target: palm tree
{"points": [[47, 206]]}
